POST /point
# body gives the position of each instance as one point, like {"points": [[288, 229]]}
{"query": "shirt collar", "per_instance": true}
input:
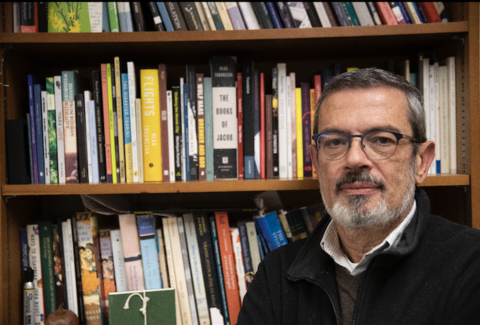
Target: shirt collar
{"points": [[330, 243]]}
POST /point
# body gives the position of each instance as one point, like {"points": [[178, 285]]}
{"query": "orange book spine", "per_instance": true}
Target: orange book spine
{"points": [[106, 123], [228, 265]]}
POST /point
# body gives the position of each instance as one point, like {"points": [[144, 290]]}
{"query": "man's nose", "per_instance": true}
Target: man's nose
{"points": [[356, 158]]}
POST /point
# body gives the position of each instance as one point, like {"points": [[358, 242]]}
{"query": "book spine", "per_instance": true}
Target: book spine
{"points": [[87, 95], [246, 256], [201, 15], [202, 176], [68, 267], [176, 16], [293, 123], [267, 235], [284, 14], [146, 234], [299, 15], [108, 266], [322, 14], [209, 157], [363, 14], [218, 261], [386, 14], [114, 126], [184, 130], [162, 81], [24, 251], [96, 16], [307, 133], [312, 14], [162, 258], [397, 13], [256, 122], [71, 167], [37, 97], [138, 17], [35, 264], [253, 245], [235, 15], [28, 17], [208, 16], [57, 82], [16, 17], [133, 128], [248, 15], [404, 12], [215, 16], [262, 21], [452, 114], [46, 253], [272, 11], [312, 120], [296, 224], [410, 9], [32, 179], [240, 158], [152, 149], [113, 17], [262, 125], [331, 15], [165, 18], [222, 11], [282, 217], [81, 138], [106, 126], [171, 146], [131, 252], [429, 12], [248, 120], [119, 120], [351, 15], [177, 118], [341, 14], [127, 129], [118, 261], [288, 126], [282, 121], [93, 141], [157, 19], [59, 268], [139, 128], [125, 17], [191, 15], [240, 271], [192, 122], [299, 128], [99, 268], [268, 137], [275, 121], [76, 269], [46, 151]]}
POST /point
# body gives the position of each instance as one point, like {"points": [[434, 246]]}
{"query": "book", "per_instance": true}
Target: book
{"points": [[341, 14], [293, 123], [164, 137], [404, 12], [152, 161], [282, 120], [191, 16], [42, 17], [162, 259], [397, 12], [119, 120], [133, 121], [306, 127], [139, 129], [275, 122], [208, 16], [282, 217], [17, 149], [212, 7], [77, 267], [272, 11], [201, 15], [299, 129], [351, 15], [59, 264], [33, 237], [127, 129], [57, 80], [263, 17], [240, 159], [386, 14], [224, 117], [223, 13], [113, 17], [299, 15], [70, 87], [139, 21], [177, 118], [192, 111], [44, 126], [165, 17], [450, 62], [321, 9], [240, 271], [68, 17], [82, 149], [28, 17], [184, 128], [70, 271], [209, 156], [430, 12], [268, 137], [248, 119], [363, 14], [131, 252], [51, 131], [87, 95], [373, 11], [96, 16], [108, 268], [16, 19], [262, 125], [171, 148], [256, 122], [284, 14], [148, 246], [125, 17], [312, 14], [107, 124], [249, 16], [235, 15], [32, 180], [46, 253], [412, 13], [98, 120], [441, 11], [118, 261], [176, 16], [288, 127], [112, 98], [311, 216], [202, 176], [296, 225], [155, 16], [245, 254], [272, 230], [32, 80]]}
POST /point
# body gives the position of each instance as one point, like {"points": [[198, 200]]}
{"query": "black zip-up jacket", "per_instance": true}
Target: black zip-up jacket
{"points": [[432, 277]]}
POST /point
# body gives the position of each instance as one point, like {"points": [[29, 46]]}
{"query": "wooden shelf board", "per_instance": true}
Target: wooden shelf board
{"points": [[197, 187], [199, 36]]}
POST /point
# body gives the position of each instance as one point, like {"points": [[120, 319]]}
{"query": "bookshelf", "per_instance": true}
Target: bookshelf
{"points": [[456, 197]]}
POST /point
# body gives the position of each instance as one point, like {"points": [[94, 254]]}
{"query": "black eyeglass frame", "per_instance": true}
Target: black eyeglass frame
{"points": [[397, 135]]}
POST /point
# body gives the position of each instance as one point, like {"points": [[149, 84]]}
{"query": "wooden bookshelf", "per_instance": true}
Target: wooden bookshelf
{"points": [[304, 51]]}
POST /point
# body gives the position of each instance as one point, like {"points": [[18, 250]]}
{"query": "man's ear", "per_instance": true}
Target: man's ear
{"points": [[314, 156], [425, 156]]}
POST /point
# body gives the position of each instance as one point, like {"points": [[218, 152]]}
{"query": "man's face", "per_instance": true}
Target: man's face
{"points": [[386, 182]]}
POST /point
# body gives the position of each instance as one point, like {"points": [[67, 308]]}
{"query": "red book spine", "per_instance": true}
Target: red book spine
{"points": [[228, 265], [106, 123], [240, 125], [430, 12], [262, 126], [386, 13], [162, 87], [317, 85], [202, 165]]}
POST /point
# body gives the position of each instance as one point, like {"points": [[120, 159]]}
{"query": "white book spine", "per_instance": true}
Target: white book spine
{"points": [[208, 15], [249, 15], [452, 107], [162, 260], [138, 121], [171, 267], [282, 121], [363, 14], [293, 124], [201, 14], [125, 17], [437, 125], [87, 95], [95, 14], [117, 252], [73, 278], [225, 18], [237, 250], [171, 146], [93, 141], [253, 243], [426, 98], [68, 270], [182, 118], [197, 272], [33, 240], [322, 14], [133, 126], [444, 124], [431, 108], [46, 149], [412, 13], [289, 129]]}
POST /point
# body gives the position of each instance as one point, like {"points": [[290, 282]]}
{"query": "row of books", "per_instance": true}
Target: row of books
{"points": [[208, 262], [75, 17]]}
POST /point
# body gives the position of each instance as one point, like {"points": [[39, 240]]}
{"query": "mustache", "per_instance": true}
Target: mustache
{"points": [[352, 177]]}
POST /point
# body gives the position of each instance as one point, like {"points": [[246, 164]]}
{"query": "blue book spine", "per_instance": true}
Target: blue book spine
{"points": [[419, 13], [185, 116], [37, 97], [260, 247], [404, 12], [266, 248], [267, 236], [105, 20], [218, 261], [93, 141], [207, 83], [247, 259], [165, 17], [272, 11], [341, 14], [125, 17], [33, 136], [275, 229], [127, 128], [146, 234], [32, 179]]}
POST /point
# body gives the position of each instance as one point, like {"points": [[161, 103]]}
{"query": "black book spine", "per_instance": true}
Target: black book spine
{"points": [[177, 129], [248, 119], [81, 124], [256, 119], [115, 125], [275, 121], [191, 16], [176, 16], [97, 97], [43, 17], [78, 274], [284, 14], [138, 17], [312, 14], [192, 107], [27, 14], [17, 152], [263, 17], [207, 259], [157, 20]]}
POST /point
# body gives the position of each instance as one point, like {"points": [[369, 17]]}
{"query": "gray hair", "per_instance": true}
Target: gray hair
{"points": [[373, 78]]}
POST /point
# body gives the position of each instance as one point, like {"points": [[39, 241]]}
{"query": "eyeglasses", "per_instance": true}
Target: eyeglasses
{"points": [[376, 144]]}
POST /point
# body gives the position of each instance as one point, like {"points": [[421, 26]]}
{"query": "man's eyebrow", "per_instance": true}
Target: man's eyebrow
{"points": [[376, 128]]}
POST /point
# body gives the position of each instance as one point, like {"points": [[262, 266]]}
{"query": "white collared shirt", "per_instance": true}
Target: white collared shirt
{"points": [[331, 245]]}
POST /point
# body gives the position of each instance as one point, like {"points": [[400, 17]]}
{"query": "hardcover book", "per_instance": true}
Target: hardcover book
{"points": [[59, 265], [138, 17], [165, 18], [191, 15], [299, 128], [113, 16], [70, 271], [68, 17], [77, 266], [293, 123], [176, 16], [32, 80], [312, 14], [148, 245], [282, 120], [296, 225]]}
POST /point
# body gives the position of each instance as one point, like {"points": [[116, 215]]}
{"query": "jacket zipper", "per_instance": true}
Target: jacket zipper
{"points": [[333, 306], [357, 301]]}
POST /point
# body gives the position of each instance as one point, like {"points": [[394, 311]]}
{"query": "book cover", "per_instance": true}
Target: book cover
{"points": [[268, 137], [299, 15], [299, 129], [282, 120], [177, 119], [209, 156], [224, 16], [202, 168], [165, 18], [68, 17], [235, 15], [207, 260], [272, 230], [162, 82], [306, 127], [131, 252], [293, 123], [215, 16], [275, 122], [262, 125], [48, 273], [132, 97], [152, 148], [248, 119], [192, 122], [262, 14], [162, 258], [256, 122], [70, 87], [119, 120], [113, 17], [296, 224], [82, 150], [386, 14], [249, 16], [33, 238], [148, 245], [191, 16], [176, 16], [284, 14], [52, 131], [92, 294], [108, 268], [246, 255], [118, 261], [171, 145], [240, 158], [125, 17], [272, 11], [240, 271], [127, 130], [28, 17]]}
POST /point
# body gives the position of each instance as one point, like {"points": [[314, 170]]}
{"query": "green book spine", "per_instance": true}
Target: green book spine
{"points": [[111, 121], [48, 273], [68, 17], [208, 127], [52, 131], [113, 17], [351, 15]]}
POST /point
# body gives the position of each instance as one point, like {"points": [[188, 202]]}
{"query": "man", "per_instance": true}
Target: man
{"points": [[379, 257]]}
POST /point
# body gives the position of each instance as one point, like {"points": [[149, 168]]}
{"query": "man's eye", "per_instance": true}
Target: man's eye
{"points": [[333, 143], [383, 141]]}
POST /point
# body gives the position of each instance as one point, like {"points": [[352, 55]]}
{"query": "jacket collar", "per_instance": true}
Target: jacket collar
{"points": [[312, 261]]}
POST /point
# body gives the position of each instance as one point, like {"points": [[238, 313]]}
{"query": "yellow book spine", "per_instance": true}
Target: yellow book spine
{"points": [[152, 145], [118, 90], [110, 119], [298, 111], [312, 114]]}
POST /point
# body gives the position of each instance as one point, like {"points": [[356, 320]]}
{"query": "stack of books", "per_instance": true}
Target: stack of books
{"points": [[97, 17], [209, 260]]}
